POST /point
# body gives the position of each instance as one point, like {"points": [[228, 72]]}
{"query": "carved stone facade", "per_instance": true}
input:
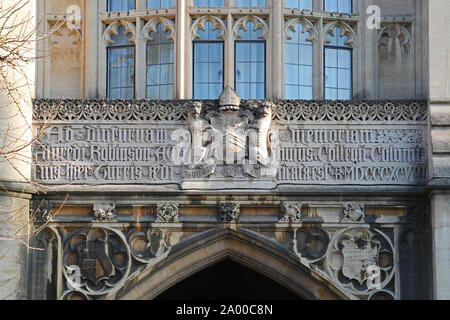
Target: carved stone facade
{"points": [[335, 199]]}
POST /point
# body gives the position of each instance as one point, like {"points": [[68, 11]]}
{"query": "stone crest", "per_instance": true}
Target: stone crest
{"points": [[359, 254], [94, 261], [230, 140]]}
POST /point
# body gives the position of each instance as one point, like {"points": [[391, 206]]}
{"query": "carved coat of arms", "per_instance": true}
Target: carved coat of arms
{"points": [[359, 254], [231, 141], [95, 264]]}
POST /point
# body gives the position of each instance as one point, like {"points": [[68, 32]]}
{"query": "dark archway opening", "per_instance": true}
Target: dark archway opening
{"points": [[228, 280]]}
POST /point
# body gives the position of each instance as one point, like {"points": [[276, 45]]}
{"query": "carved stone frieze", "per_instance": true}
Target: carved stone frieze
{"points": [[231, 144], [291, 211], [229, 211], [167, 212], [288, 111]]}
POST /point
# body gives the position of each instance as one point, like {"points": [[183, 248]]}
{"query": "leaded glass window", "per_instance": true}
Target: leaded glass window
{"points": [[338, 67], [158, 4], [208, 63], [250, 64], [343, 6], [299, 4], [121, 5], [121, 60], [208, 3], [251, 3], [160, 65], [298, 68]]}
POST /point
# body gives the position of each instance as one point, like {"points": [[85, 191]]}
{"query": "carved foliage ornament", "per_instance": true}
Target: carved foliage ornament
{"points": [[291, 211], [229, 212], [284, 111], [104, 212], [353, 212], [167, 212]]}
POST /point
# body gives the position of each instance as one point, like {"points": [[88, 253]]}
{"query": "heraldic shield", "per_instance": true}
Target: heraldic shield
{"points": [[359, 254]]}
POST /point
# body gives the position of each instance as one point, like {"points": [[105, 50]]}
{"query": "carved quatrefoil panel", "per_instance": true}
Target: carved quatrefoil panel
{"points": [[361, 260], [96, 261]]}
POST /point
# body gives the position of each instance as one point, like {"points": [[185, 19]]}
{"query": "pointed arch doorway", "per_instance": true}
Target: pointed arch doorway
{"points": [[254, 251], [228, 280]]}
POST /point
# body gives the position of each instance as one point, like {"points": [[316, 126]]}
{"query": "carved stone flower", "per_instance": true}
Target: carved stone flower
{"points": [[167, 212]]}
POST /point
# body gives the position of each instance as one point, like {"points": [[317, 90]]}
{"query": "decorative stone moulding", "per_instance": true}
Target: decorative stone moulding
{"points": [[285, 111]]}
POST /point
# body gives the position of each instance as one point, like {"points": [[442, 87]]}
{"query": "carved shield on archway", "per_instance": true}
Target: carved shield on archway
{"points": [[95, 264], [359, 254]]}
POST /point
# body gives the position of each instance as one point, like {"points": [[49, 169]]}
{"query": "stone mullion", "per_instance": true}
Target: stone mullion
{"points": [[229, 54], [276, 52], [318, 63], [140, 65], [141, 5], [182, 50]]}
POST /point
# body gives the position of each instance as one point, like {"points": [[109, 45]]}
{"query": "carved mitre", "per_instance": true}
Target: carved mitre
{"points": [[229, 100]]}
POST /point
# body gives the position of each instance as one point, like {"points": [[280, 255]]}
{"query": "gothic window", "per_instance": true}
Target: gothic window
{"points": [[160, 65], [338, 66], [298, 65], [121, 60], [121, 5], [208, 63], [299, 4], [158, 4], [251, 3], [208, 3], [250, 63], [342, 6]]}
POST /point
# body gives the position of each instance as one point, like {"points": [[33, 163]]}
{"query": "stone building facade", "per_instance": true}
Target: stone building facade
{"points": [[305, 140]]}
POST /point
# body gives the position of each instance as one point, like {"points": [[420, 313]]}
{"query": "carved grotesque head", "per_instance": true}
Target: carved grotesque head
{"points": [[266, 108], [196, 109]]}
